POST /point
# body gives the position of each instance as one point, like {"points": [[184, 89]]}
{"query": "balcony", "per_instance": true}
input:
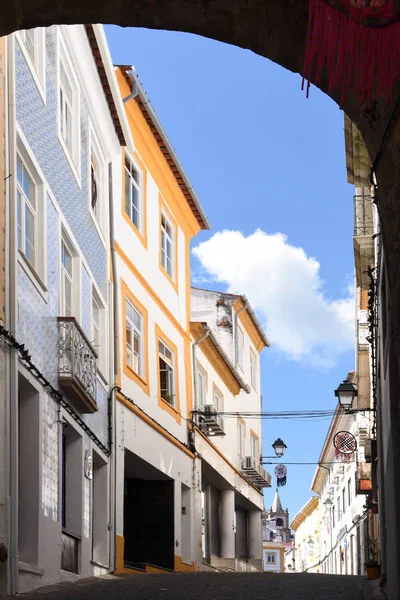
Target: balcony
{"points": [[77, 365], [363, 238], [210, 422], [255, 472]]}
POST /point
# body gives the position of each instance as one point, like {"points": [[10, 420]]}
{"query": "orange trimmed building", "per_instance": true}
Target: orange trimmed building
{"points": [[155, 218]]}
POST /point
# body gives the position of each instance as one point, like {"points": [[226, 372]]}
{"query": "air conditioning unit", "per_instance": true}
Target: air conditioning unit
{"points": [[368, 450], [250, 463], [208, 409], [340, 470]]}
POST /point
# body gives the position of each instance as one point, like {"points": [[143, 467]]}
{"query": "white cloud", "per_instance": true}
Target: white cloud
{"points": [[284, 287]]}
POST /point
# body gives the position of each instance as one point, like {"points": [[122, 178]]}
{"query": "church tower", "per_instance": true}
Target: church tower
{"points": [[277, 537]]}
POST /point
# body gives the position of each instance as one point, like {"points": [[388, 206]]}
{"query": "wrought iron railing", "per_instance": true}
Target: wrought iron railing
{"points": [[363, 215], [76, 357]]}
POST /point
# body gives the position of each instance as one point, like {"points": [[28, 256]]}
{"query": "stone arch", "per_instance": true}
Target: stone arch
{"points": [[275, 29]]}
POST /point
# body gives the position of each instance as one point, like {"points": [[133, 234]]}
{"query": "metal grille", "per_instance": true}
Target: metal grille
{"points": [[363, 215]]}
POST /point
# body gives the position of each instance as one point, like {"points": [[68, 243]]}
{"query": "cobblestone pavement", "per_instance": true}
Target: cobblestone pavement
{"points": [[210, 586]]}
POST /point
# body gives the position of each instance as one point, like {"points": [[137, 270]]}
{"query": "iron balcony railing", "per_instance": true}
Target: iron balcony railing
{"points": [[363, 215], [77, 363]]}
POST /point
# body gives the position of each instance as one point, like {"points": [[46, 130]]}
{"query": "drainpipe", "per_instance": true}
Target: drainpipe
{"points": [[135, 91], [195, 344], [12, 509], [235, 325], [113, 391]]}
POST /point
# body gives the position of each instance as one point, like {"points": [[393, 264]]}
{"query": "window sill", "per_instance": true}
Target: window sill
{"points": [[98, 227], [168, 276], [174, 412], [142, 236], [33, 275], [131, 373], [70, 160]]}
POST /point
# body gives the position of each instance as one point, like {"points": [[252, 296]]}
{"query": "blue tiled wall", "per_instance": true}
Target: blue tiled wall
{"points": [[37, 319]]}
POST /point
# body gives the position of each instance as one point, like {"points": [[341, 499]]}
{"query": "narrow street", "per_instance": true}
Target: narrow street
{"points": [[233, 586]]}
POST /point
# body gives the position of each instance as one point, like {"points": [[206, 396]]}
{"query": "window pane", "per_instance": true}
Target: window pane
{"points": [[19, 172], [67, 297], [128, 206], [19, 219], [68, 128], [96, 313], [65, 84], [30, 43], [66, 259], [29, 235], [137, 320]]}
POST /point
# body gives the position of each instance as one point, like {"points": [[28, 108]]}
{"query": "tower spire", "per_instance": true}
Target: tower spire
{"points": [[277, 505]]}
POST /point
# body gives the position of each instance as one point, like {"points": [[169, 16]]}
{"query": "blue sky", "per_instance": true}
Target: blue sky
{"points": [[262, 157]]}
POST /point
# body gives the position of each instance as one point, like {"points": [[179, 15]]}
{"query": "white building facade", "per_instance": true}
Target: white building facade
{"points": [[227, 341]]}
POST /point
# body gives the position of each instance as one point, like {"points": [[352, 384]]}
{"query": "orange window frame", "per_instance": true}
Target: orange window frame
{"points": [[142, 382], [174, 411], [138, 163]]}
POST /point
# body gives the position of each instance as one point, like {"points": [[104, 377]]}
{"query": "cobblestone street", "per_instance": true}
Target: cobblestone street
{"points": [[212, 586]]}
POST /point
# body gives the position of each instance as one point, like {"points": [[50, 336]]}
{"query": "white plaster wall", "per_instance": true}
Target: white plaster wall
{"points": [[269, 567], [147, 260], [228, 444]]}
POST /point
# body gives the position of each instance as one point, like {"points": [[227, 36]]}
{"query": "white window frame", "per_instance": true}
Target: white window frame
{"points": [[101, 347], [217, 400], [171, 238], [76, 277], [253, 369], [272, 556], [72, 154], [100, 212], [37, 61], [255, 449], [201, 386], [138, 185], [240, 347], [240, 439], [135, 331], [37, 268], [162, 356]]}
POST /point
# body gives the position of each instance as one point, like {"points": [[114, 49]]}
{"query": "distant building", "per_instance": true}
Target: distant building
{"points": [[227, 341], [277, 537], [306, 525]]}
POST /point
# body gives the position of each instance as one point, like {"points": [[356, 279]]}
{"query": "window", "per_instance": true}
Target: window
{"points": [[338, 508], [166, 366], [132, 194], [66, 280], [240, 440], [68, 111], [167, 245], [26, 213], [66, 108], [33, 48], [217, 400], [349, 499], [99, 332], [97, 185], [201, 386], [254, 448], [271, 536], [271, 559], [134, 338], [253, 369], [279, 522], [333, 516], [344, 500], [240, 345]]}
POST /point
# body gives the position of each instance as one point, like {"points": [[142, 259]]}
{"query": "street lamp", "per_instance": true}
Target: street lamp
{"points": [[279, 447], [311, 543], [346, 392], [328, 503]]}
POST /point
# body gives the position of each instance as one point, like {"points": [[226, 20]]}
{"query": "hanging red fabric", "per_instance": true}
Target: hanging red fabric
{"points": [[352, 55]]}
